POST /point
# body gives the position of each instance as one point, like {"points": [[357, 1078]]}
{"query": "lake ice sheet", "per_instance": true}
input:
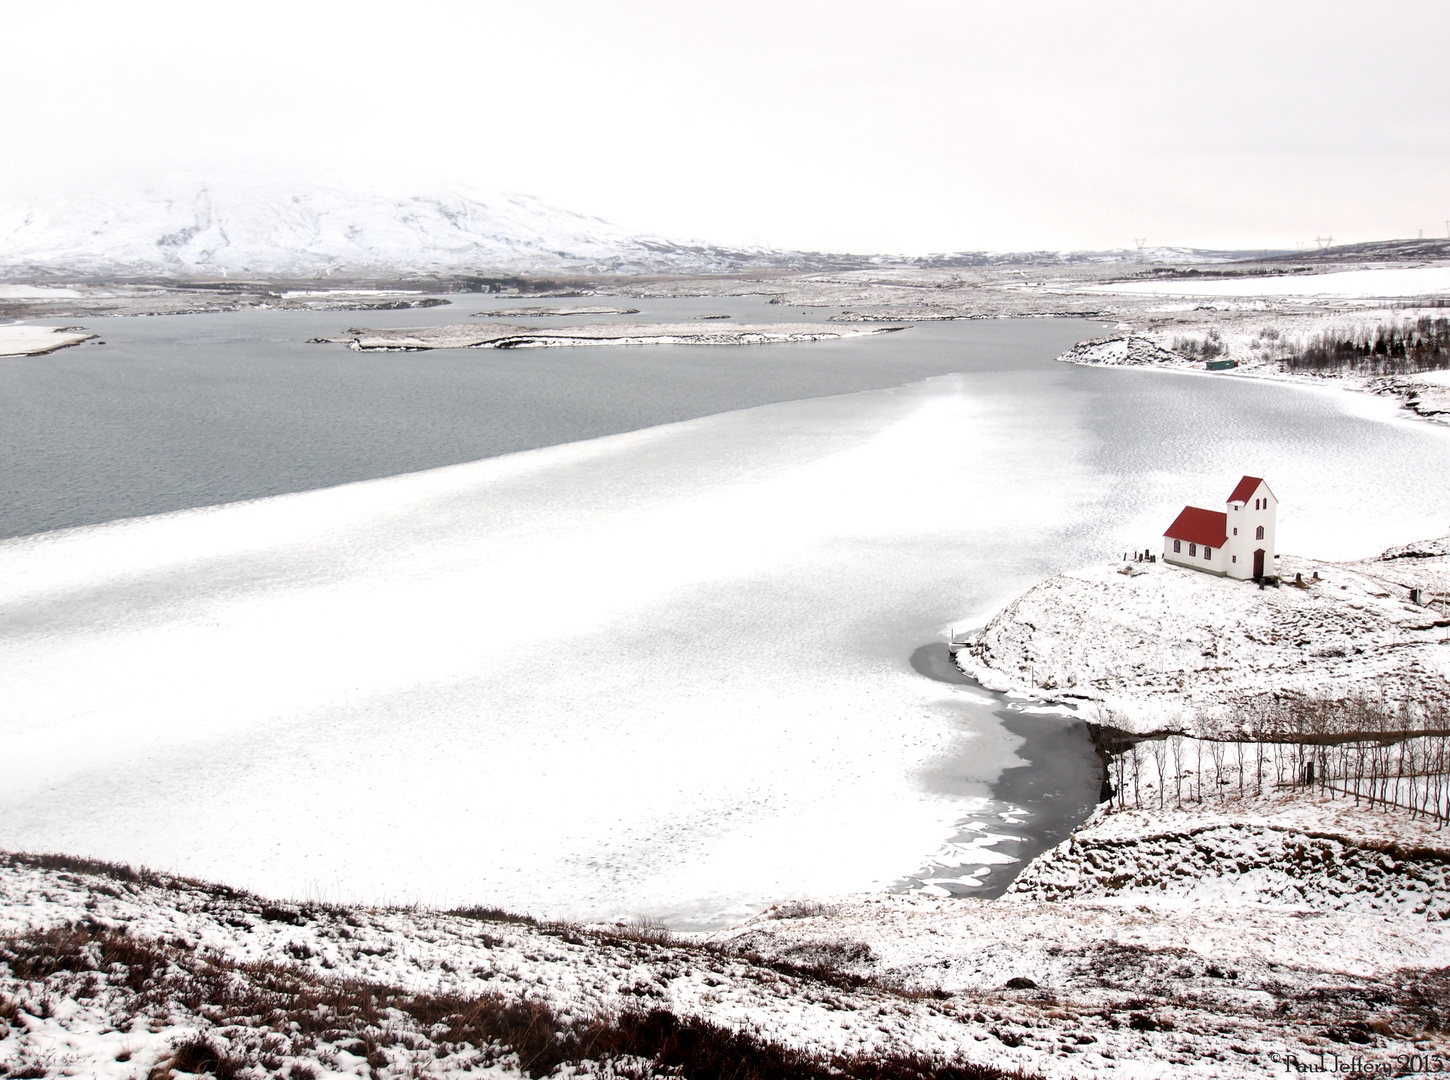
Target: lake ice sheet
{"points": [[661, 673]]}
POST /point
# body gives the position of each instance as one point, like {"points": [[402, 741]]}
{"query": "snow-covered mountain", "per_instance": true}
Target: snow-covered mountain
{"points": [[306, 230]]}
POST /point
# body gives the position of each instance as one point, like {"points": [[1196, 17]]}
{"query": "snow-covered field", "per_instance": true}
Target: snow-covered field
{"points": [[1343, 285], [36, 292], [1163, 646], [38, 340]]}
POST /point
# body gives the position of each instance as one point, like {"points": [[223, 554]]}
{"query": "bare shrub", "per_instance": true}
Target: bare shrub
{"points": [[802, 909], [270, 1012], [198, 1056], [492, 914], [648, 931]]}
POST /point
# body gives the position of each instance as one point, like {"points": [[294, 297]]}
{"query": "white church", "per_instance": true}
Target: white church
{"points": [[1237, 543]]}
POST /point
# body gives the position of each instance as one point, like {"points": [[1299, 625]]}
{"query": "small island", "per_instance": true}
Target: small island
{"points": [[505, 336], [557, 312]]}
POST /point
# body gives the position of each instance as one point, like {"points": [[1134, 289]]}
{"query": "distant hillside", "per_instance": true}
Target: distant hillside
{"points": [[1371, 251], [305, 231], [277, 231], [1153, 256]]}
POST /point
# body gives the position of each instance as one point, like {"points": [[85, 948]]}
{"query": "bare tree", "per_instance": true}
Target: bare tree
{"points": [[1159, 748], [1215, 750], [1175, 742]]}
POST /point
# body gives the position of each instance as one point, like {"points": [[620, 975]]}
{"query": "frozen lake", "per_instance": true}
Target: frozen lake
{"points": [[664, 667], [175, 412]]}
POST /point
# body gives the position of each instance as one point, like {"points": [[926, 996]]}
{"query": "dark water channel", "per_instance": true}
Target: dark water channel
{"points": [[1033, 806]]}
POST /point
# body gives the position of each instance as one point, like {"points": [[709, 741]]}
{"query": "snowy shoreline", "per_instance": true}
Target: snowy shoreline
{"points": [[1425, 394], [40, 340]]}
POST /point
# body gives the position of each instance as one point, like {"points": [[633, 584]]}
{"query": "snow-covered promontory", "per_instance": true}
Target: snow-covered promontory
{"points": [[38, 340], [1123, 350], [1164, 646]]}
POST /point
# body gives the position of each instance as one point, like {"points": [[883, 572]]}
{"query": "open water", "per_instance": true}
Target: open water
{"points": [[181, 411]]}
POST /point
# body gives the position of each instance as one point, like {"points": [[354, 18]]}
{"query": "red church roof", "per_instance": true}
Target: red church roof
{"points": [[1199, 526], [1245, 491]]}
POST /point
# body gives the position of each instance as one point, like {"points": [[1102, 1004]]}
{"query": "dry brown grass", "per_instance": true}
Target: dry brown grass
{"points": [[280, 1017]]}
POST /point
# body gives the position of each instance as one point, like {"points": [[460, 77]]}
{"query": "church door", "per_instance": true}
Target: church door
{"points": [[1259, 563]]}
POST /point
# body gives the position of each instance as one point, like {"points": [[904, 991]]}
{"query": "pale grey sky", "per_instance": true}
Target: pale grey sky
{"points": [[900, 127]]}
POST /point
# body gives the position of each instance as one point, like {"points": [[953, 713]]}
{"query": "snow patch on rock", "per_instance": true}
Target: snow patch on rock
{"points": [[1126, 350]]}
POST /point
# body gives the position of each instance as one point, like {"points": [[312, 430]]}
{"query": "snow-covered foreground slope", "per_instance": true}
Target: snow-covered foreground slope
{"points": [[243, 229], [1214, 941], [1163, 645]]}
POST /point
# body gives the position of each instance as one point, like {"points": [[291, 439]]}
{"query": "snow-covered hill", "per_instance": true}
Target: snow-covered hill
{"points": [[306, 230], [277, 230]]}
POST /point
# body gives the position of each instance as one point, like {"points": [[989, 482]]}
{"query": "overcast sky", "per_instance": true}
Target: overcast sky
{"points": [[870, 127]]}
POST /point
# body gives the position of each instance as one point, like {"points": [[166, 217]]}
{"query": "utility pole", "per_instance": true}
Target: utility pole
{"points": [[1140, 241]]}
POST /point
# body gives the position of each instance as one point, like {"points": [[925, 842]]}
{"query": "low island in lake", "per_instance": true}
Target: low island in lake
{"points": [[505, 336]]}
